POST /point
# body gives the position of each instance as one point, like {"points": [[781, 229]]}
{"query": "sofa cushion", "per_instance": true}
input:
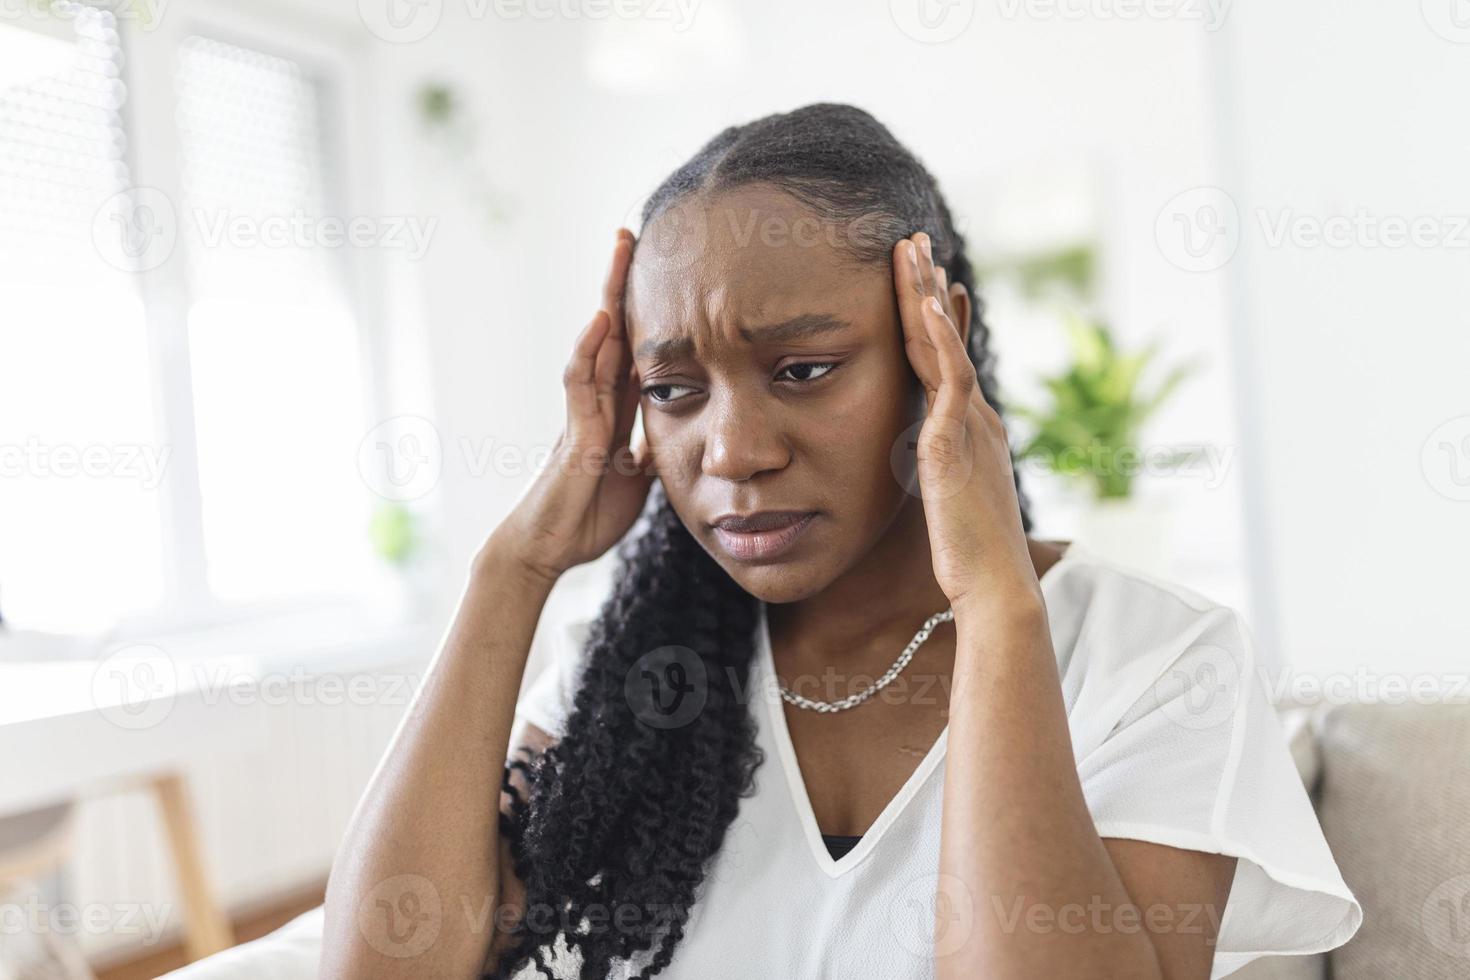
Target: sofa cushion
{"points": [[1395, 806], [1284, 968]]}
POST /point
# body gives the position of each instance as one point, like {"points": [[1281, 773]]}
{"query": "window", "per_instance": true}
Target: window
{"points": [[80, 527], [183, 366], [270, 327]]}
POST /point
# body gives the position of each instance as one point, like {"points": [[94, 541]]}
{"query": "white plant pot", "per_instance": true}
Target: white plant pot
{"points": [[1133, 531]]}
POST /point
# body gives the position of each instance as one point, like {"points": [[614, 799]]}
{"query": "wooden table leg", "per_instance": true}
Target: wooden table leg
{"points": [[207, 931]]}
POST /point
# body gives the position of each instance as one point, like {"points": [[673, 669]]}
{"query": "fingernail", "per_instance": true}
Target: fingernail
{"points": [[928, 250]]}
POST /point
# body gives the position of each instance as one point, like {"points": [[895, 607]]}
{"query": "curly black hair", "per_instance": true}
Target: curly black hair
{"points": [[623, 817]]}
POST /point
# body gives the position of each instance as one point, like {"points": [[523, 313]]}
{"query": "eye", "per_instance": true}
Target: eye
{"points": [[824, 367], [650, 389], [829, 366]]}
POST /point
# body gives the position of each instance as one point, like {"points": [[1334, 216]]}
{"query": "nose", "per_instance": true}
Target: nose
{"points": [[740, 442]]}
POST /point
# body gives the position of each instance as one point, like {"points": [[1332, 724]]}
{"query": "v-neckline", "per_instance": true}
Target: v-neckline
{"points": [[791, 767]]}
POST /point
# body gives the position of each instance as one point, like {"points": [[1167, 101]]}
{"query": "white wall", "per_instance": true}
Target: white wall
{"points": [[1355, 354]]}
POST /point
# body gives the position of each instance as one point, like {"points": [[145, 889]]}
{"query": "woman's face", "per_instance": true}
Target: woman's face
{"points": [[774, 378]]}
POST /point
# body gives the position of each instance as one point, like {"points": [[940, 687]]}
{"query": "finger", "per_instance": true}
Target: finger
{"points": [[941, 285], [627, 411], [630, 442], [613, 359], [617, 271], [946, 302], [957, 374], [580, 376], [917, 343], [926, 263]]}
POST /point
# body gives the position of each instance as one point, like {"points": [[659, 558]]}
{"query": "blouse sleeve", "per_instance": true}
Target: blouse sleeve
{"points": [[1197, 759], [547, 700]]}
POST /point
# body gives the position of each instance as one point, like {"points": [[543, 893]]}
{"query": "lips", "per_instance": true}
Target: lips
{"points": [[765, 520], [763, 535]]}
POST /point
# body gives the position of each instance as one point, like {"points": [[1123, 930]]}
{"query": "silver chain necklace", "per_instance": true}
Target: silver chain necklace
{"points": [[853, 700]]}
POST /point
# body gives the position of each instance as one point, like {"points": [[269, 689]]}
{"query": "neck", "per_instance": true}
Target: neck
{"points": [[874, 607]]}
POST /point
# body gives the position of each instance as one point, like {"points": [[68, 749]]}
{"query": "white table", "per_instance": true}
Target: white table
{"points": [[73, 729]]}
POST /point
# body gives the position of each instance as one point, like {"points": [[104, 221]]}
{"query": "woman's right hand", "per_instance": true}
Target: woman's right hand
{"points": [[595, 483]]}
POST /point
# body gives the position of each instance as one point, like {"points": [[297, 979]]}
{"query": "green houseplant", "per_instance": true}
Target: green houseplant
{"points": [[1090, 432], [401, 539], [394, 532]]}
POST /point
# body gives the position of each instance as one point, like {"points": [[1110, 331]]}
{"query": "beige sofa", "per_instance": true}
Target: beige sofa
{"points": [[1391, 783]]}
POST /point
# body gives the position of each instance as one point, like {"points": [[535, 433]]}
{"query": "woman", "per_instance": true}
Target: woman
{"points": [[732, 770]]}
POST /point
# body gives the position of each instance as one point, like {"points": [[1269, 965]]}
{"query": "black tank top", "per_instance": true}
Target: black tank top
{"points": [[838, 845]]}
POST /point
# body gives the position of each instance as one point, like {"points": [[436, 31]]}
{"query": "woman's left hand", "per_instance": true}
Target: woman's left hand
{"points": [[964, 460]]}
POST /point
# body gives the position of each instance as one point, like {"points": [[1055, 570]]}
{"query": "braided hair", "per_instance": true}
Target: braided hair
{"points": [[622, 818]]}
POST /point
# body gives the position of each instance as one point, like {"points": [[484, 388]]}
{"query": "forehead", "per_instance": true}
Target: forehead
{"points": [[748, 256]]}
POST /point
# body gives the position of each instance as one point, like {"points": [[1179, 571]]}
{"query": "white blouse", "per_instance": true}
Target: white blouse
{"points": [[1175, 741]]}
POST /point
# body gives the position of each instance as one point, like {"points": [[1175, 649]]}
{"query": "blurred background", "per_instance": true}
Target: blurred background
{"points": [[286, 289]]}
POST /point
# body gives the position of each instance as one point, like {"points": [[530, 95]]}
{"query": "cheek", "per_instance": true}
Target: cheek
{"points": [[871, 440], [849, 444], [677, 444]]}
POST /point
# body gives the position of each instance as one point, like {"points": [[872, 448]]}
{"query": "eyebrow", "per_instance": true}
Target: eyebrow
{"points": [[803, 327]]}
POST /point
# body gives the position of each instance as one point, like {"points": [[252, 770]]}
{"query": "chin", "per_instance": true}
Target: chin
{"points": [[801, 573], [777, 582], [778, 589]]}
